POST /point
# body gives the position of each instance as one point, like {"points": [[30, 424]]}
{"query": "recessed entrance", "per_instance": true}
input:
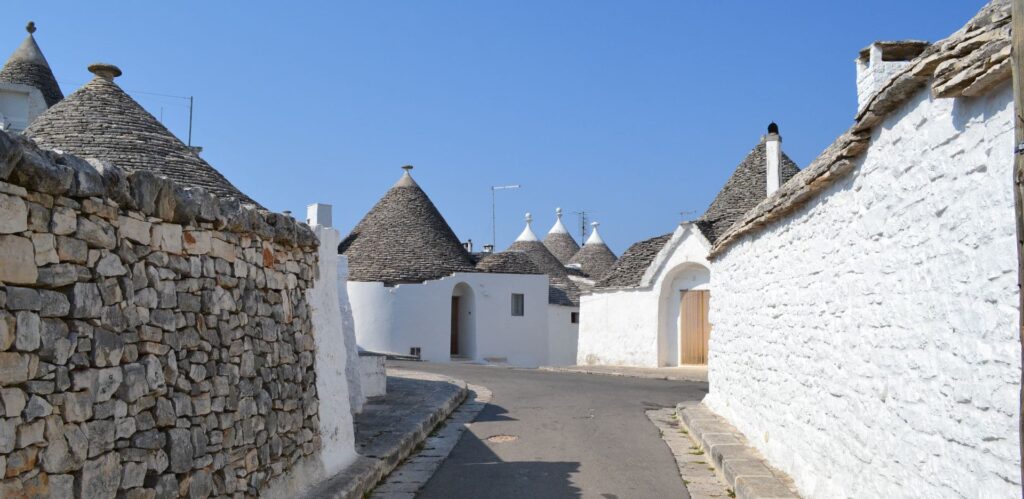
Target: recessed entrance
{"points": [[463, 340], [455, 325], [694, 328]]}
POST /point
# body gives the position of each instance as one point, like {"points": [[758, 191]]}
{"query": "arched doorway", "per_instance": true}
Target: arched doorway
{"points": [[683, 329], [463, 322]]}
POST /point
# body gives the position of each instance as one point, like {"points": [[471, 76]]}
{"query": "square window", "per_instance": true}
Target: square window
{"points": [[574, 317], [518, 305]]}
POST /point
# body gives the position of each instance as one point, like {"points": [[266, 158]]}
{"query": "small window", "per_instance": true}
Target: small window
{"points": [[518, 305], [574, 317]]}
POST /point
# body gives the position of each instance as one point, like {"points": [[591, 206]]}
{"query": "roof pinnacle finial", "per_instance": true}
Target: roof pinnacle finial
{"points": [[529, 218], [773, 128], [31, 27], [106, 71], [407, 168], [558, 213]]}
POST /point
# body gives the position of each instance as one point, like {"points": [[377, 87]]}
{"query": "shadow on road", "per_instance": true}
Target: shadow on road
{"points": [[476, 470]]}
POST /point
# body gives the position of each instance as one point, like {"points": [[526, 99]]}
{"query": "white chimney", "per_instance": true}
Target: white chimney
{"points": [[879, 62], [318, 214], [773, 158]]}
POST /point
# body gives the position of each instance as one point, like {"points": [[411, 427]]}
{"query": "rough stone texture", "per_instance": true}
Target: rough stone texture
{"points": [[872, 331], [594, 259], [507, 262], [562, 245], [631, 266], [404, 239], [17, 260], [746, 187], [136, 361]]}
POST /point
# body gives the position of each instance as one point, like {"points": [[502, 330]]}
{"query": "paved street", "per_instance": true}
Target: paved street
{"points": [[556, 434]]}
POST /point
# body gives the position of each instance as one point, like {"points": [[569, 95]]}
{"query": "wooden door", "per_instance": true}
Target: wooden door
{"points": [[694, 328], [455, 325]]}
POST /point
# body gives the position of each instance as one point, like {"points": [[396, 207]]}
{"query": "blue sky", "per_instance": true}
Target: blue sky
{"points": [[633, 111]]}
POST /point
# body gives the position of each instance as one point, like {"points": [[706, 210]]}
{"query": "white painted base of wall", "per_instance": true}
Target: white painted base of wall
{"points": [[373, 375]]}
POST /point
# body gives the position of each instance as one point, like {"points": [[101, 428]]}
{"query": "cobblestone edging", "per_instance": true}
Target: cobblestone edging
{"points": [[734, 460], [699, 477], [363, 475], [406, 480]]}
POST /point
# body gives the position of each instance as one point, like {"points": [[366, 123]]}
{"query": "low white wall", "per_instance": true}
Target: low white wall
{"points": [[395, 319], [373, 375], [563, 335], [867, 344], [356, 397], [619, 328], [332, 385], [640, 326]]}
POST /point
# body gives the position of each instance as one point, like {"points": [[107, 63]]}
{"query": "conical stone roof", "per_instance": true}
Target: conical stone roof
{"points": [[507, 262], [629, 270], [561, 290], [595, 258], [404, 239], [559, 242], [100, 120], [747, 187], [28, 66]]}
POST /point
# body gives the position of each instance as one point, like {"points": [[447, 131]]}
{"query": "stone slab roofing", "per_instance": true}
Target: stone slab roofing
{"points": [[595, 260], [629, 270], [101, 121], [28, 66], [507, 262], [561, 291], [562, 245], [970, 62], [747, 186], [404, 239]]}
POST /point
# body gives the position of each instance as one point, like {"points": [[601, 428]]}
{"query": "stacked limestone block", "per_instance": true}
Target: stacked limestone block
{"points": [[154, 340]]}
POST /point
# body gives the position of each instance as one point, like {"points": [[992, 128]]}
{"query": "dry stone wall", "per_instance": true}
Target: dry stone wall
{"points": [[154, 340]]}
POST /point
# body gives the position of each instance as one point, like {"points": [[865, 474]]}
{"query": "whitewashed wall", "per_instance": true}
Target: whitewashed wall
{"points": [[867, 345], [353, 367], [394, 319], [563, 335], [639, 327]]}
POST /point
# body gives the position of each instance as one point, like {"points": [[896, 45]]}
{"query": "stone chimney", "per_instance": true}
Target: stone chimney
{"points": [[773, 158], [318, 214], [879, 62], [468, 245]]}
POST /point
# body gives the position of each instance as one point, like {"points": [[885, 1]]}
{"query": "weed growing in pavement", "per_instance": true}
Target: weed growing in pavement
{"points": [[731, 492]]}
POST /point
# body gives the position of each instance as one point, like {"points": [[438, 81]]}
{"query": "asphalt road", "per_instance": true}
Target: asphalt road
{"points": [[575, 435]]}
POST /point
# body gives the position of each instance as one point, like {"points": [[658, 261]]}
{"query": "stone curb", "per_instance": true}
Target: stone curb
{"points": [[735, 461], [625, 373], [363, 475], [406, 480]]}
